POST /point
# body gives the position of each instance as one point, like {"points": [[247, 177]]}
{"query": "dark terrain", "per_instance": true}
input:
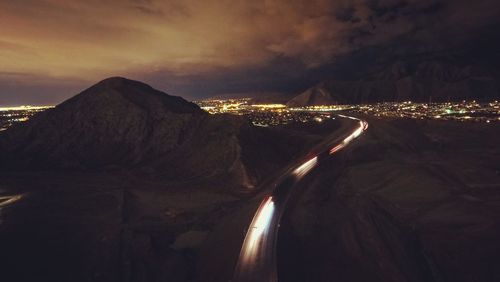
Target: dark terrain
{"points": [[412, 201], [126, 183]]}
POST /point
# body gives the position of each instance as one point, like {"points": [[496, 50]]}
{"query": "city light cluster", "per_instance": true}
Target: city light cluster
{"points": [[25, 108], [266, 115], [12, 115], [322, 108], [458, 111], [220, 106], [278, 114]]}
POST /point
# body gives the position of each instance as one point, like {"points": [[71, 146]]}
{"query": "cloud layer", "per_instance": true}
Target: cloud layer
{"points": [[69, 43]]}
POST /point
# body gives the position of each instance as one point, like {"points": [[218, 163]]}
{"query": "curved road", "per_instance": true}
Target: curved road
{"points": [[257, 259]]}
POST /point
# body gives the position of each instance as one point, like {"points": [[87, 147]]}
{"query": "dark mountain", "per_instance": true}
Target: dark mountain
{"points": [[116, 121], [258, 97], [421, 81], [314, 96]]}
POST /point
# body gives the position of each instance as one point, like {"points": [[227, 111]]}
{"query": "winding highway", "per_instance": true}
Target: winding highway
{"points": [[257, 259]]}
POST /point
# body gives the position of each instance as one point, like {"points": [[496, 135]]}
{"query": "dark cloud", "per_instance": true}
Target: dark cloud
{"points": [[347, 14]]}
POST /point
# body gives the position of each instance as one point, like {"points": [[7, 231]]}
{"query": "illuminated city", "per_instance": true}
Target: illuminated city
{"points": [[459, 111], [276, 114], [12, 115]]}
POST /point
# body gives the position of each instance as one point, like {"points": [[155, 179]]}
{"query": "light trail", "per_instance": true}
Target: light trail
{"points": [[353, 118], [252, 264], [260, 225], [362, 126], [304, 168], [337, 148], [7, 200], [365, 125]]}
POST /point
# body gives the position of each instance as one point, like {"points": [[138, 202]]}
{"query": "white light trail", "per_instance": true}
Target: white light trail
{"points": [[358, 131], [304, 168], [264, 217], [353, 118], [337, 148], [260, 224], [7, 200], [363, 125]]}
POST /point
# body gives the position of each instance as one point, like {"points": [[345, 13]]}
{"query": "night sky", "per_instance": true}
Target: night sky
{"points": [[52, 49]]}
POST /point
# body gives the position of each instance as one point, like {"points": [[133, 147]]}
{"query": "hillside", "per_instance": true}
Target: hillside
{"points": [[314, 96]]}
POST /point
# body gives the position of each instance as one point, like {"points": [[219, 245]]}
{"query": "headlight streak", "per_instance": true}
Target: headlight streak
{"points": [[304, 168], [7, 200], [261, 224], [363, 125], [257, 232]]}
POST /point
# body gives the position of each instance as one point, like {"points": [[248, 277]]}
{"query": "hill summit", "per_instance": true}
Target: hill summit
{"points": [[113, 91], [314, 96], [116, 121]]}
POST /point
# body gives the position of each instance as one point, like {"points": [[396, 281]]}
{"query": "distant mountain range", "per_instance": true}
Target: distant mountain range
{"points": [[422, 81]]}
